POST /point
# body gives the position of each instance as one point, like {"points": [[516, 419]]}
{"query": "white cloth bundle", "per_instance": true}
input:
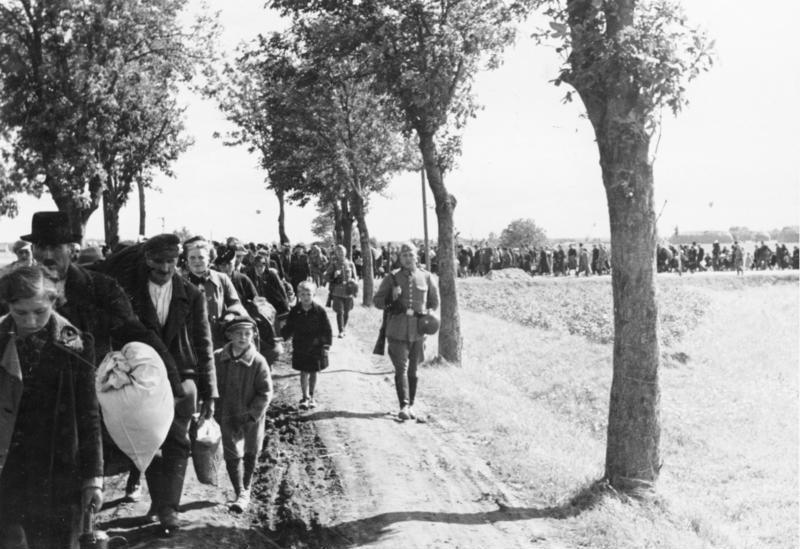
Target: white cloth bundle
{"points": [[136, 401]]}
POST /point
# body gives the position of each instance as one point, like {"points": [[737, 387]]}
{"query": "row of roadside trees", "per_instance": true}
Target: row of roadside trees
{"points": [[352, 93], [88, 100]]}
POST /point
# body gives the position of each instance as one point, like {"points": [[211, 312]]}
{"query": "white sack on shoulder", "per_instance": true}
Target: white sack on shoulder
{"points": [[136, 401]]}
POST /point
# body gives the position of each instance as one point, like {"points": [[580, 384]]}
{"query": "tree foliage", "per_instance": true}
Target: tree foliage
{"points": [[523, 232], [424, 55], [321, 131], [87, 96]]}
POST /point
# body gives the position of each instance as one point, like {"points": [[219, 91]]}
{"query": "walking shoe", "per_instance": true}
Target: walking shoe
{"points": [[312, 403], [242, 502], [304, 404], [411, 414], [341, 335], [404, 413]]}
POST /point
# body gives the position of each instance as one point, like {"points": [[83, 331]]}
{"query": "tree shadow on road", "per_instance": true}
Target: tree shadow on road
{"points": [[372, 529], [202, 537], [328, 372], [334, 414], [386, 373]]}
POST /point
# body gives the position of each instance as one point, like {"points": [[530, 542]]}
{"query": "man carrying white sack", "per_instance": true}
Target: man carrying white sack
{"points": [[175, 310]]}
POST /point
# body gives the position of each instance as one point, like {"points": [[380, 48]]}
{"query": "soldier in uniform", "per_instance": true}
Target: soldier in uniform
{"points": [[408, 293]]}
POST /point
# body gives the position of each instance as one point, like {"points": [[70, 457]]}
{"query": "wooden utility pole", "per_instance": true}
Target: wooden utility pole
{"points": [[425, 220]]}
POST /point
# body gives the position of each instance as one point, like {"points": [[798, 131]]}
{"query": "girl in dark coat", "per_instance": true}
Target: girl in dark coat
{"points": [[51, 461], [310, 329]]}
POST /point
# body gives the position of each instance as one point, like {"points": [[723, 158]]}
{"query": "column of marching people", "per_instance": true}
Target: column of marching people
{"points": [[216, 315]]}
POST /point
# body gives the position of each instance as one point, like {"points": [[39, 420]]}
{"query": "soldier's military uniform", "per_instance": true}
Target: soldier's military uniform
{"points": [[418, 294]]}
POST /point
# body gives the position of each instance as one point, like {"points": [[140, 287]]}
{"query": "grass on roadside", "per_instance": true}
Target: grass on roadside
{"points": [[534, 403]]}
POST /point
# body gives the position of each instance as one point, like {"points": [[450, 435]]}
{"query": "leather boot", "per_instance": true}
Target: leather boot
{"points": [[236, 474], [249, 467], [154, 477], [170, 494], [412, 390]]}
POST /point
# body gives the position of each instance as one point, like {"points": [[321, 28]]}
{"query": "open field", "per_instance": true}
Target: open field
{"points": [[532, 396]]}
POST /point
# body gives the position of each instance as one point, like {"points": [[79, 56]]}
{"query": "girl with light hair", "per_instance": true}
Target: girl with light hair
{"points": [[308, 326]]}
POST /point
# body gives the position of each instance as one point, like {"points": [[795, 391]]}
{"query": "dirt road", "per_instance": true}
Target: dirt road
{"points": [[349, 474]]}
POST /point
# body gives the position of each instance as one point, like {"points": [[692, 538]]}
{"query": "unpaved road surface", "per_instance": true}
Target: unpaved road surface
{"points": [[349, 474]]}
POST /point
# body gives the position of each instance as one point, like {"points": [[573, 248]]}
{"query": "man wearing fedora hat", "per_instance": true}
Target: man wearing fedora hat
{"points": [[92, 301]]}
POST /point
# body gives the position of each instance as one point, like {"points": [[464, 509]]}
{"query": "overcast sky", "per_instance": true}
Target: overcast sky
{"points": [[729, 159]]}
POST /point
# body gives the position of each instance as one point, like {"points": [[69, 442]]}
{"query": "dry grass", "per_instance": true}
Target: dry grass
{"points": [[534, 403]]}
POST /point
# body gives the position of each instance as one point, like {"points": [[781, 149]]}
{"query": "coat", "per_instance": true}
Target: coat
{"points": [[76, 442], [220, 295], [346, 272], [96, 304], [245, 386], [419, 293], [312, 335], [186, 333]]}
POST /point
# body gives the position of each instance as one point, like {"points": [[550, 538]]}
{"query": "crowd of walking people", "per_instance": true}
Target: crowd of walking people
{"points": [[579, 260], [218, 315]]}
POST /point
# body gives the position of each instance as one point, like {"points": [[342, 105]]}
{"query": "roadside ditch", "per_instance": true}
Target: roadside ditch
{"points": [[296, 486]]}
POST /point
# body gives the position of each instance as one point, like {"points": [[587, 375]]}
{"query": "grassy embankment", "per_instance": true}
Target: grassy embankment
{"points": [[532, 396]]}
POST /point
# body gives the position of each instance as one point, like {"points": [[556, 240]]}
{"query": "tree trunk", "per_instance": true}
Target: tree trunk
{"points": [[633, 457], [347, 228], [450, 329], [366, 250], [142, 208], [281, 217], [110, 219], [338, 226]]}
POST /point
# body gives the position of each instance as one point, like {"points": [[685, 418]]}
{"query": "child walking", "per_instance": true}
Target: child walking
{"points": [[245, 391], [308, 324]]}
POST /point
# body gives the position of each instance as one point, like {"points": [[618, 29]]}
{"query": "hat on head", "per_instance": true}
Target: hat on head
{"points": [[51, 228], [163, 245], [20, 245], [195, 242], [237, 322], [225, 255], [408, 247]]}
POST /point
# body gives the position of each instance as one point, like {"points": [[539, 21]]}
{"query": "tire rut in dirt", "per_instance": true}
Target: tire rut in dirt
{"points": [[296, 487]]}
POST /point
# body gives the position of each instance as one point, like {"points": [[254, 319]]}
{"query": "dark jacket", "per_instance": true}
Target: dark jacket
{"points": [[95, 303], [186, 333], [299, 269], [270, 287], [312, 336], [76, 413]]}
